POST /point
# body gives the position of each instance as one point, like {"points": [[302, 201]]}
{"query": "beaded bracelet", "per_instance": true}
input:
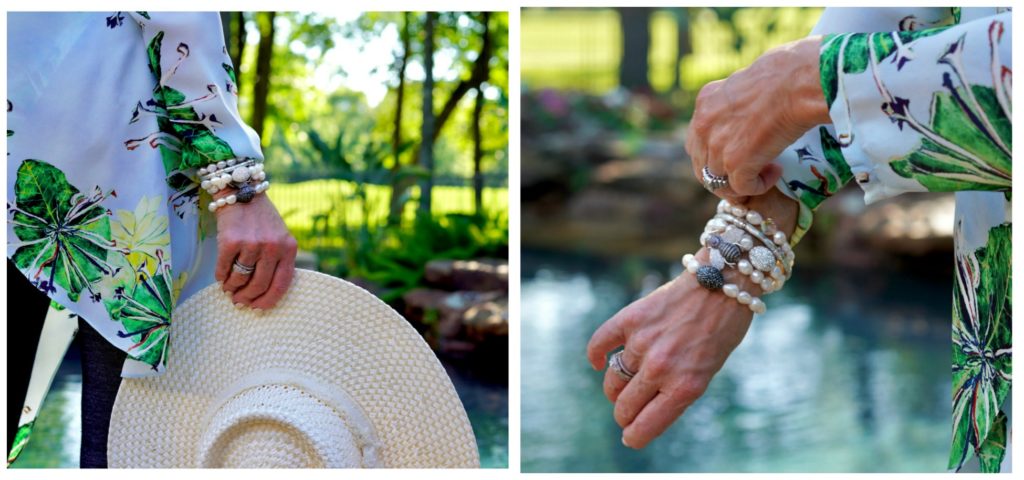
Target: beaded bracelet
{"points": [[711, 278], [214, 181], [244, 195]]}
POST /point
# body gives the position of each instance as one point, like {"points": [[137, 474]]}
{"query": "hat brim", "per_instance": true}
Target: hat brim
{"points": [[324, 328]]}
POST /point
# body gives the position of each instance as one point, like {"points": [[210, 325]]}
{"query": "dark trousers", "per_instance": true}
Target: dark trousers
{"points": [[101, 367]]}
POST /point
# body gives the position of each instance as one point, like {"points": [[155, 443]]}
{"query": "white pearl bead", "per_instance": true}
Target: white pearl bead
{"points": [[754, 218], [779, 238], [704, 238], [692, 266], [739, 211], [240, 174], [767, 285], [745, 267], [222, 165], [261, 176], [716, 259], [777, 273], [221, 202], [747, 242], [231, 162], [756, 276], [213, 206], [778, 285], [213, 189], [231, 199], [202, 170], [226, 177], [730, 290], [744, 298], [687, 258], [723, 206], [757, 305], [205, 184]]}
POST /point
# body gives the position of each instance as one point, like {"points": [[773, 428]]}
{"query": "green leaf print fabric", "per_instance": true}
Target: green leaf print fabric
{"points": [[103, 213], [921, 102]]}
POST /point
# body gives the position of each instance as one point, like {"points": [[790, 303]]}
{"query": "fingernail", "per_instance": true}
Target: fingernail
{"points": [[624, 441], [259, 311], [239, 306]]}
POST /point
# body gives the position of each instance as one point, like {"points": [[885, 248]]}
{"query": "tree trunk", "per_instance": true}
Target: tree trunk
{"points": [[636, 43], [261, 84], [479, 73], [683, 45], [426, 153], [478, 179], [398, 186], [237, 46]]}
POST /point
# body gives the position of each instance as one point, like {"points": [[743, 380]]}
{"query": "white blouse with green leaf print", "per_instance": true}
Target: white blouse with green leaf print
{"points": [[920, 100], [109, 116]]}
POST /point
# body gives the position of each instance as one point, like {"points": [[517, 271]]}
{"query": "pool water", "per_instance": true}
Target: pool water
{"points": [[847, 372], [56, 439]]}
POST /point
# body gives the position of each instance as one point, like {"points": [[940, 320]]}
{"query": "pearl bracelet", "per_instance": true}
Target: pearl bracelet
{"points": [[244, 195], [711, 278], [227, 173]]}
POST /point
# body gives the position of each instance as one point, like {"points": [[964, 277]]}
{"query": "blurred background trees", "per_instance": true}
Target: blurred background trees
{"points": [[375, 124]]}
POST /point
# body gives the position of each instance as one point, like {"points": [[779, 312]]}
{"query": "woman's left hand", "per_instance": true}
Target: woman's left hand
{"points": [[675, 339], [255, 235], [741, 124]]}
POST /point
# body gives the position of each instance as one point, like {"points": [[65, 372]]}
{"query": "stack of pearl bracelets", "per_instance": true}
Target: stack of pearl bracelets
{"points": [[246, 176], [728, 235]]}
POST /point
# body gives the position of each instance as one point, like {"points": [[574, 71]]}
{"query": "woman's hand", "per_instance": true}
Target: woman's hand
{"points": [[255, 235], [741, 124], [675, 340]]}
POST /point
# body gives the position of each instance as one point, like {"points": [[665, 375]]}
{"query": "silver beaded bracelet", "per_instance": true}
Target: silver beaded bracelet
{"points": [[221, 175], [711, 278], [244, 195]]}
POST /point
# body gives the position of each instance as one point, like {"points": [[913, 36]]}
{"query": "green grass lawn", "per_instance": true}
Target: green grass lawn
{"points": [[581, 48], [324, 205]]}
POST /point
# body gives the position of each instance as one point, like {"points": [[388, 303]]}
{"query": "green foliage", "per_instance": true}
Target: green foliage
{"points": [[394, 257]]}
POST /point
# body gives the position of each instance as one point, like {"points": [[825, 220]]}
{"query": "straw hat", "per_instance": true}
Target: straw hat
{"points": [[331, 377]]}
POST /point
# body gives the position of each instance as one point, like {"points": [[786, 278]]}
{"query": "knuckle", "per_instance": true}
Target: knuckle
{"points": [[657, 364], [688, 389]]}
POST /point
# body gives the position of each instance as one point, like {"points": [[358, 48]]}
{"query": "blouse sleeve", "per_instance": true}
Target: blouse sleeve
{"points": [[195, 98], [918, 109]]}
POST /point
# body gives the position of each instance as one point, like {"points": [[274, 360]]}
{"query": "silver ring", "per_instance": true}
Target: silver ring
{"points": [[711, 181], [619, 367], [243, 269]]}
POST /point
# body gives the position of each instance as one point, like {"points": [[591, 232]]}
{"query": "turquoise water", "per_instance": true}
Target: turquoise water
{"points": [[56, 440], [846, 372]]}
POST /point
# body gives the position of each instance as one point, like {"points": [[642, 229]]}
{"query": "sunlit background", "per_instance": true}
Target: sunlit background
{"points": [[849, 369], [349, 175]]}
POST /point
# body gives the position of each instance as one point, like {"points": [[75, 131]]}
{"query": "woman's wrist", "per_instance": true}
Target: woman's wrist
{"points": [[806, 97]]}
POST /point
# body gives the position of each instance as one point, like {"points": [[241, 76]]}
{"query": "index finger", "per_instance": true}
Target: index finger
{"points": [[607, 337]]}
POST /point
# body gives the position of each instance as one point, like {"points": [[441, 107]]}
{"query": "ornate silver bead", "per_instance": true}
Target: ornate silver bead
{"points": [[710, 277], [730, 252], [762, 258], [245, 193]]}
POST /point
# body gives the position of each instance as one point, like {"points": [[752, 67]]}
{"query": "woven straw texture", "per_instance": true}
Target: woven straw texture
{"points": [[326, 330]]}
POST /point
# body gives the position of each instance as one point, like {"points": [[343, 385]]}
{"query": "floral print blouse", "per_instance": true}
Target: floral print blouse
{"points": [[109, 116], [920, 100]]}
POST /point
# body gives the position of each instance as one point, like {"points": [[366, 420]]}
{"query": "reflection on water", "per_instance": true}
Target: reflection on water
{"points": [[845, 373], [56, 439]]}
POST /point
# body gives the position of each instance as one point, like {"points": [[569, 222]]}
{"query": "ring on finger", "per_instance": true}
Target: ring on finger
{"points": [[240, 269], [711, 181], [619, 367]]}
